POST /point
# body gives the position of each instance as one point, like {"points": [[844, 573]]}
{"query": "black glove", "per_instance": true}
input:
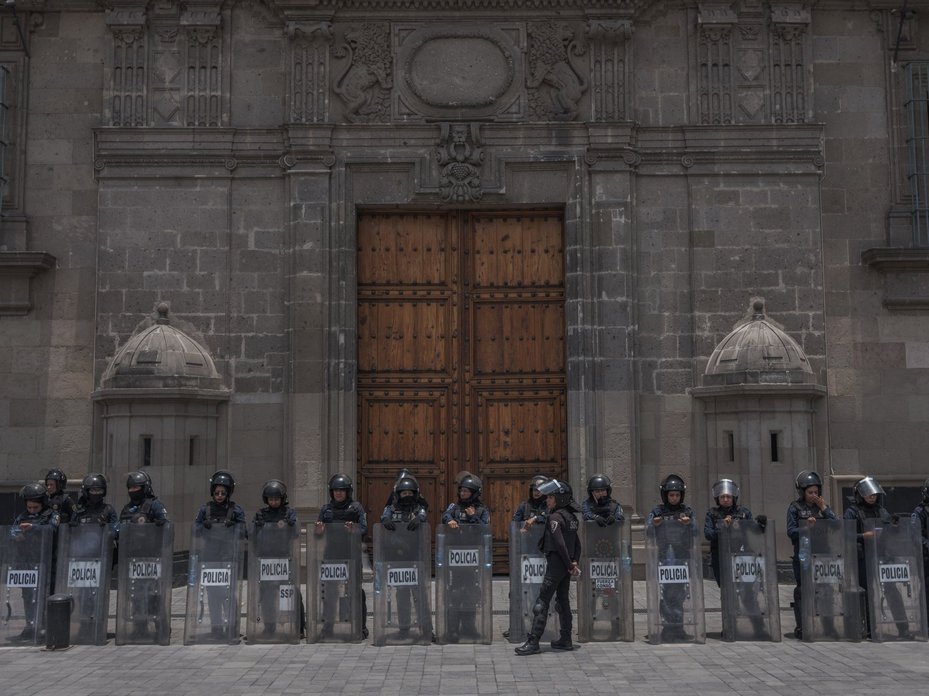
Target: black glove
{"points": [[390, 525], [229, 522], [102, 521], [413, 525], [291, 521], [762, 521], [600, 520], [610, 519], [207, 524], [259, 520], [160, 521]]}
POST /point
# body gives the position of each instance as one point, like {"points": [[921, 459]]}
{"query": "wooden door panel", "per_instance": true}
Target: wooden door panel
{"points": [[518, 338], [400, 337], [404, 427], [517, 251], [405, 250], [520, 427]]}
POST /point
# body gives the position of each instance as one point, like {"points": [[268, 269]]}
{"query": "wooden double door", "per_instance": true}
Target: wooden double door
{"points": [[461, 356]]}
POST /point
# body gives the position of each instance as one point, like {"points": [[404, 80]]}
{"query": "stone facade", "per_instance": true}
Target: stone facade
{"points": [[215, 155]]}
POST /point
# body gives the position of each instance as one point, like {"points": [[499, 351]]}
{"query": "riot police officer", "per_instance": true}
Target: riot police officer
{"points": [[674, 512], [92, 507], [276, 512], [600, 506], [534, 509], [562, 549], [342, 508], [143, 505], [37, 514], [407, 509], [469, 508], [869, 504], [727, 510], [58, 500], [921, 515], [804, 511]]}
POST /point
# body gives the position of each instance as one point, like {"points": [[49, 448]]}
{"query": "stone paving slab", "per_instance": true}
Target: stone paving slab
{"points": [[752, 669]]}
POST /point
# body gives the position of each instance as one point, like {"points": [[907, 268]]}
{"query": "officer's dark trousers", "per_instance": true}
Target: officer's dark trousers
{"points": [[405, 598], [556, 583]]}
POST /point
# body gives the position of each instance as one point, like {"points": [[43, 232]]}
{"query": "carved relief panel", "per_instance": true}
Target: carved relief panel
{"points": [[752, 62]]}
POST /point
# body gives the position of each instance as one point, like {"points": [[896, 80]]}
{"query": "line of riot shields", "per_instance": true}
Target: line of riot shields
{"points": [[843, 597]]}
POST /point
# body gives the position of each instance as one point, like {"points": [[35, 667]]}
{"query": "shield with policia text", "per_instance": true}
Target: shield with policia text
{"points": [[333, 585], [894, 563], [274, 602], [829, 591], [214, 575], [402, 584], [674, 584], [85, 557], [748, 582], [144, 571], [463, 573], [604, 589], [527, 569], [25, 576]]}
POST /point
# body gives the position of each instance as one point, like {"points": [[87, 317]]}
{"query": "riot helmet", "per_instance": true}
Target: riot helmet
{"points": [[274, 489], [672, 482], [406, 484], [560, 490], [597, 482], [34, 492], [92, 481], [805, 479], [534, 484], [473, 484], [58, 476], [726, 487], [141, 480], [868, 486], [222, 478], [341, 482]]}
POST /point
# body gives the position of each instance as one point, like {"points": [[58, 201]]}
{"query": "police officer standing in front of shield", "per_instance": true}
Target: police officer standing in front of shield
{"points": [[600, 506], [92, 507], [804, 511], [58, 499], [672, 511], [727, 511], [276, 512], [562, 549], [921, 515], [143, 505], [37, 514]]}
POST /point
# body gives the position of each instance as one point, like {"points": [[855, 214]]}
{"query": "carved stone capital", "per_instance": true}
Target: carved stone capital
{"points": [[460, 156], [309, 32], [790, 21], [125, 16], [715, 14], [609, 31]]}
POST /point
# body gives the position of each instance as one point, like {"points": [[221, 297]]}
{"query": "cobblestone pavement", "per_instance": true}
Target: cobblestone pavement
{"points": [[754, 669]]}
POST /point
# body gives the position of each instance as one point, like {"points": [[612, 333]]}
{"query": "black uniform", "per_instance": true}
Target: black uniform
{"points": [[681, 536], [62, 504], [798, 512], [347, 510], [562, 547], [409, 512]]}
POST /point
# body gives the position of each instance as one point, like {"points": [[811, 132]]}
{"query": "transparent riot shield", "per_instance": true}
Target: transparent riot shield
{"points": [[85, 557], [748, 582], [144, 570], [25, 575], [334, 604], [215, 572], [604, 590], [674, 584], [463, 574], [829, 591], [402, 583], [896, 594], [527, 569], [274, 605]]}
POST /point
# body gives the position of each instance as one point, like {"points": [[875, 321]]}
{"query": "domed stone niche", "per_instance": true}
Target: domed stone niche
{"points": [[161, 407], [759, 397]]}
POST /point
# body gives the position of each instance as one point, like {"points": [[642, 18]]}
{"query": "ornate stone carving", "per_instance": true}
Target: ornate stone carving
{"points": [[460, 156], [365, 83], [714, 63], [789, 27], [129, 70], [557, 79], [203, 96], [609, 63], [309, 79]]}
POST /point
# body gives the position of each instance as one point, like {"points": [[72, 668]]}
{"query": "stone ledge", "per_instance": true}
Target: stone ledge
{"points": [[17, 268], [905, 272], [773, 389], [896, 259]]}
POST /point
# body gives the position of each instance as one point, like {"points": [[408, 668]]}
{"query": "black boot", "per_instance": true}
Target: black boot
{"points": [[530, 647], [563, 642]]}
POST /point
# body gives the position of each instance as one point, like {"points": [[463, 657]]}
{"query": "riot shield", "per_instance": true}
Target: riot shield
{"points": [[748, 582], [335, 610], [25, 575], [604, 590], [213, 610], [144, 570], [674, 583], [829, 592], [527, 569], [463, 595], [894, 563], [402, 579], [274, 605], [85, 557]]}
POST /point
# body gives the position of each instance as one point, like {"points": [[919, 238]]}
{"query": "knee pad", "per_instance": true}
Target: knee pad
{"points": [[538, 609]]}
